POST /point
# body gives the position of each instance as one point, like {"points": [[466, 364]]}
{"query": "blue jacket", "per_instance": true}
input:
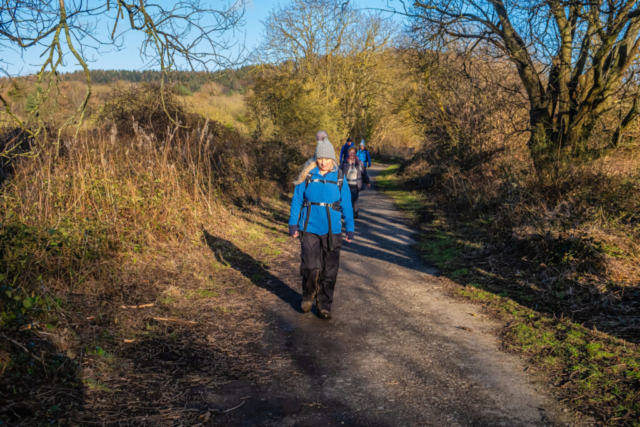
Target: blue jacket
{"points": [[320, 192], [344, 152], [365, 157]]}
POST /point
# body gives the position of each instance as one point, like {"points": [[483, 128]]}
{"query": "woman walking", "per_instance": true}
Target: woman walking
{"points": [[319, 203], [357, 177]]}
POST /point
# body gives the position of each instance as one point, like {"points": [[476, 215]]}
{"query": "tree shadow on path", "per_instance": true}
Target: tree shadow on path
{"points": [[384, 236], [257, 272]]}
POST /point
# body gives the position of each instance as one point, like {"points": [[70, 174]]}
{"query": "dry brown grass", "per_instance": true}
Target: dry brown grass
{"points": [[101, 200], [110, 220], [87, 216]]}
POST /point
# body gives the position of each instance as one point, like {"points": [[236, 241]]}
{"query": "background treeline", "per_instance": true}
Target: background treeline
{"points": [[236, 80]]}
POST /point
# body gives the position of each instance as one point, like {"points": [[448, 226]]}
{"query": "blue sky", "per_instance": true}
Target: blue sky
{"points": [[128, 58], [18, 63]]}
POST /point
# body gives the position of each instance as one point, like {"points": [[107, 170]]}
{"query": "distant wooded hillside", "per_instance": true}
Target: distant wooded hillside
{"points": [[236, 80]]}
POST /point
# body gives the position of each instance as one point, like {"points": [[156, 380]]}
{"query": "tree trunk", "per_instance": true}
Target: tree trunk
{"points": [[578, 139], [626, 121], [542, 145]]}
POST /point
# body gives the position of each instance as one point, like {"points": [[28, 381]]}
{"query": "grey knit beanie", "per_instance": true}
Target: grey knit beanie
{"points": [[324, 149]]}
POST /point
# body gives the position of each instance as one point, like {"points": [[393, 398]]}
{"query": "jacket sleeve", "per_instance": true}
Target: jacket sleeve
{"points": [[365, 176], [368, 160], [342, 154], [347, 209], [296, 207]]}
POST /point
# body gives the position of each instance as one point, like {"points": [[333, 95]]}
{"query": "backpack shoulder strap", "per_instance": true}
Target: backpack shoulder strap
{"points": [[307, 180]]}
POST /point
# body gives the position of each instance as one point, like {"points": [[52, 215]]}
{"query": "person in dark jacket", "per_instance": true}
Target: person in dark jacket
{"points": [[356, 176], [319, 203], [344, 151]]}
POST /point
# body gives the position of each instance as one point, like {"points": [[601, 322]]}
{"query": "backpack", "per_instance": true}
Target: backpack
{"points": [[367, 156]]}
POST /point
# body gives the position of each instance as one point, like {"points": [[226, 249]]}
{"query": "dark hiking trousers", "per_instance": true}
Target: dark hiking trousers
{"points": [[319, 268], [354, 198]]}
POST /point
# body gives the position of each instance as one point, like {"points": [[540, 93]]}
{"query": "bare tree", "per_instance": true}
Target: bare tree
{"points": [[574, 59], [186, 34], [334, 51], [364, 73], [305, 31]]}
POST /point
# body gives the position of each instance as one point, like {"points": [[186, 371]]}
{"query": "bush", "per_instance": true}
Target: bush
{"points": [[14, 142], [183, 91], [287, 106], [279, 162], [145, 106]]}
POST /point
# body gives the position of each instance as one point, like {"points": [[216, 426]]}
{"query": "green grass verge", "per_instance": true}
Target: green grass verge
{"points": [[595, 373]]}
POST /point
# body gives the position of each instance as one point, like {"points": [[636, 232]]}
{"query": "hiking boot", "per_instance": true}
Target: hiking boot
{"points": [[306, 306], [324, 314]]}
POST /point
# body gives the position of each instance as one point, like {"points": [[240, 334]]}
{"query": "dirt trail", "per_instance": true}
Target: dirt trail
{"points": [[393, 355]]}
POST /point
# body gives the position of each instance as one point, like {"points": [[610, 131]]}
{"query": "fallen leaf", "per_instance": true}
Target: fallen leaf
{"points": [[30, 326], [71, 355]]}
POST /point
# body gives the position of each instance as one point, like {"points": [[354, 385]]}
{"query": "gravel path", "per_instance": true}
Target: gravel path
{"points": [[393, 354]]}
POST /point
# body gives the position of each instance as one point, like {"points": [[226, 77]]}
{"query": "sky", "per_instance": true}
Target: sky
{"points": [[17, 63], [128, 58]]}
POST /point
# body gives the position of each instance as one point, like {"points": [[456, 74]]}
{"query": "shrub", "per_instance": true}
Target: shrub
{"points": [[157, 114], [183, 91]]}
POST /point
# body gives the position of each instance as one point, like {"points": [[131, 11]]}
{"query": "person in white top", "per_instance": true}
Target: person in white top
{"points": [[356, 175]]}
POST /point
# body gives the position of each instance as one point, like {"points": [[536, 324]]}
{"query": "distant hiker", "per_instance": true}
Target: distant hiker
{"points": [[364, 155], [344, 152], [318, 205], [356, 174]]}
